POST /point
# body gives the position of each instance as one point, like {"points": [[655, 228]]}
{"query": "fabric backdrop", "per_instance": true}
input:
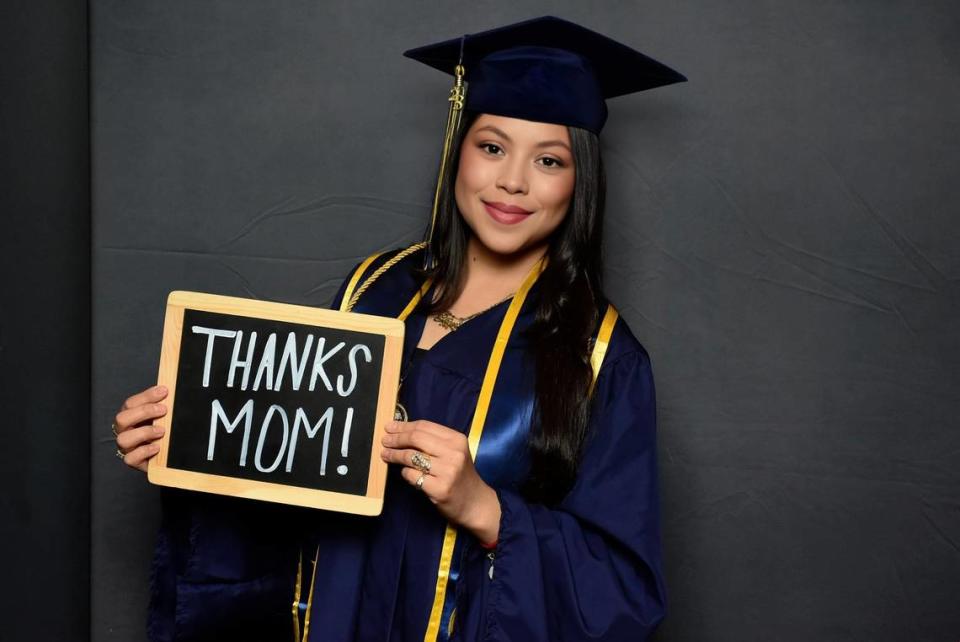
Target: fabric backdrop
{"points": [[782, 237]]}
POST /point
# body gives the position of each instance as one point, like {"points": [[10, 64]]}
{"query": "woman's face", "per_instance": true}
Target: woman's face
{"points": [[514, 182]]}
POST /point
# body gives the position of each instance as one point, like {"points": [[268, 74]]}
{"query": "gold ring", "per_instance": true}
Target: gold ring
{"points": [[420, 462], [420, 481]]}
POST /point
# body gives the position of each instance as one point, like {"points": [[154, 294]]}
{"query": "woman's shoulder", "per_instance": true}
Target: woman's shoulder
{"points": [[380, 279], [617, 340]]}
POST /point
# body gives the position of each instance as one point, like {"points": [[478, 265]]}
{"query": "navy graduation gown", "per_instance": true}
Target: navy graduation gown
{"points": [[588, 569]]}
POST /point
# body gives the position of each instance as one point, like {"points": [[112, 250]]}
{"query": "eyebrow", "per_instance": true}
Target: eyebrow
{"points": [[503, 134]]}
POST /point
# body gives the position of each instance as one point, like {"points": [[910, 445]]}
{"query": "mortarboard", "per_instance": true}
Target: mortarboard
{"points": [[547, 70]]}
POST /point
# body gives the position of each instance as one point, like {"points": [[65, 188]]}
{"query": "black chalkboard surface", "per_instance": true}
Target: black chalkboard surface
{"points": [[276, 402]]}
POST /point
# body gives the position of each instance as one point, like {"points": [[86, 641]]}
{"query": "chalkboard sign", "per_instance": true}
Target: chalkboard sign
{"points": [[276, 402]]}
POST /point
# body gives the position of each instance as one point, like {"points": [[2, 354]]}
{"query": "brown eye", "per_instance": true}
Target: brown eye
{"points": [[548, 161], [491, 148]]}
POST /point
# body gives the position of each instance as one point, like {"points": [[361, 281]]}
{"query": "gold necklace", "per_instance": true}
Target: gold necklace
{"points": [[452, 322]]}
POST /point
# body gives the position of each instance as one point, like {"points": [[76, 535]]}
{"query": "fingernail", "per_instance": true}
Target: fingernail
{"points": [[154, 447], [162, 389], [161, 409], [158, 430]]}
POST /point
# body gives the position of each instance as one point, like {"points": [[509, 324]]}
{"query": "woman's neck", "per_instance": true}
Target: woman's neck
{"points": [[491, 277]]}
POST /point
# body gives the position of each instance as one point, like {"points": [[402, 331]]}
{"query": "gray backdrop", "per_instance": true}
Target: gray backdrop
{"points": [[782, 237]]}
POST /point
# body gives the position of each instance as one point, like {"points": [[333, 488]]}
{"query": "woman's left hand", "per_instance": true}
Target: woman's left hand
{"points": [[452, 482]]}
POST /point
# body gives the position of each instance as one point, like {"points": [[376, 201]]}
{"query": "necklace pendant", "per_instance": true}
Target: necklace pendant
{"points": [[449, 321], [400, 413]]}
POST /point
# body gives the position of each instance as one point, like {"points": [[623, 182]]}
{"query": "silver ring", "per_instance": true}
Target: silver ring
{"points": [[113, 427], [120, 454], [420, 462], [420, 480]]}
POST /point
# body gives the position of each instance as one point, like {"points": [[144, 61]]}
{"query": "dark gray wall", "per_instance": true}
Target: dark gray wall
{"points": [[783, 238], [45, 321]]}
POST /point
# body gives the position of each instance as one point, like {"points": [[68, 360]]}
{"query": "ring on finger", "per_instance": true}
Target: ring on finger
{"points": [[113, 427], [421, 462], [120, 454], [420, 480]]}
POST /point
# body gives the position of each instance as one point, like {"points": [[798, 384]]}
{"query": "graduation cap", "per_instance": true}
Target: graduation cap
{"points": [[545, 69]]}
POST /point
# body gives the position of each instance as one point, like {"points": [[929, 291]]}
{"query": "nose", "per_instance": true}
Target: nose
{"points": [[512, 178]]}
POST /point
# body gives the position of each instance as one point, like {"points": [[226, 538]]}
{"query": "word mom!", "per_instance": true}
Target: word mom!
{"points": [[270, 374]]}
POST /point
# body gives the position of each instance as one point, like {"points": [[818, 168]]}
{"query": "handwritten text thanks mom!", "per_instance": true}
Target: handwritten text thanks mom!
{"points": [[256, 363]]}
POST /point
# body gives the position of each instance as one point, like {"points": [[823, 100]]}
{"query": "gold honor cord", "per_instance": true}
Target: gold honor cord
{"points": [[603, 340], [297, 589], [473, 438], [351, 286], [352, 300], [479, 418], [296, 598]]}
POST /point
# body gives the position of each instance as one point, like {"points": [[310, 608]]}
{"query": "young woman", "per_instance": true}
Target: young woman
{"points": [[522, 501]]}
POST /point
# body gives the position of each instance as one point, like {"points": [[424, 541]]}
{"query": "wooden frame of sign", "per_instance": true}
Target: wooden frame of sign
{"points": [[231, 357]]}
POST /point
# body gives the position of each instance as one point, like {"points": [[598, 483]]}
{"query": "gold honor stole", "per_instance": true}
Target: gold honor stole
{"points": [[479, 418]]}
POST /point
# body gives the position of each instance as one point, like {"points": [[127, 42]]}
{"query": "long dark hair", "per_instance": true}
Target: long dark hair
{"points": [[569, 292]]}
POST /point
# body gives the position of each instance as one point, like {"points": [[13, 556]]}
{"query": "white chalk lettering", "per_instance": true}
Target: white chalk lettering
{"points": [[217, 413], [300, 418], [345, 442], [297, 363], [235, 359], [318, 361], [274, 409], [344, 392], [266, 362], [212, 334]]}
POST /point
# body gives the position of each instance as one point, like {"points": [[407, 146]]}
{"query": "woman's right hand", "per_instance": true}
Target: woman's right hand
{"points": [[136, 435]]}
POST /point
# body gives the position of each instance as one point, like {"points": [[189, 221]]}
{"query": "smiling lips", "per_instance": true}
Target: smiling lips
{"points": [[506, 214]]}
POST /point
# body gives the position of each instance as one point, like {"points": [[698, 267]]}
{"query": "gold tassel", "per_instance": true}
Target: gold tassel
{"points": [[457, 99]]}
